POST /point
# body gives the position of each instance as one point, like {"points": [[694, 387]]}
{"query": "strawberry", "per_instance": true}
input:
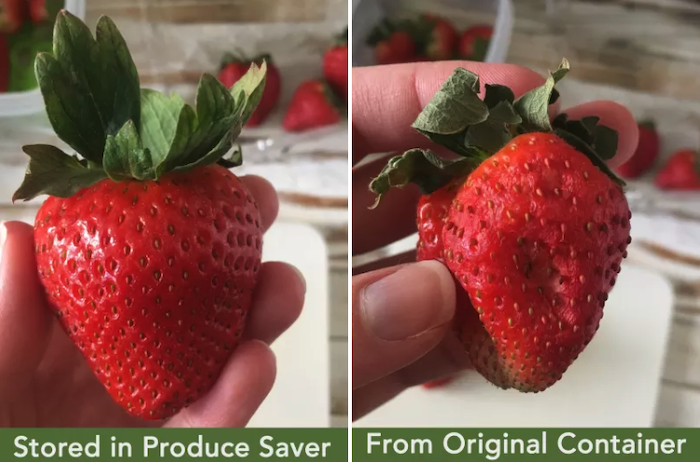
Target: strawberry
{"points": [[536, 224], [681, 172], [399, 47], [233, 68], [12, 15], [4, 64], [474, 43], [393, 42], [335, 66], [645, 155], [437, 383], [441, 38], [312, 106], [148, 246], [37, 11]]}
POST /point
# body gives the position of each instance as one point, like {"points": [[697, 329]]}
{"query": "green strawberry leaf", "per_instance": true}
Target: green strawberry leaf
{"points": [[126, 157], [248, 91], [234, 160], [533, 106], [422, 167], [93, 99], [454, 107], [160, 116], [90, 85], [52, 171], [586, 149], [495, 94]]}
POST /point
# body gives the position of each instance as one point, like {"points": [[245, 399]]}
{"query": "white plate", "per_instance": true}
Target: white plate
{"points": [[614, 383]]}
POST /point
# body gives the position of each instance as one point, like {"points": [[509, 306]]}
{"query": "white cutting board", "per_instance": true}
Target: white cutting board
{"points": [[614, 383]]}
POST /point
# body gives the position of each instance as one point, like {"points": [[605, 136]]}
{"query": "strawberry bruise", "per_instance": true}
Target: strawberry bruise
{"points": [[529, 219]]}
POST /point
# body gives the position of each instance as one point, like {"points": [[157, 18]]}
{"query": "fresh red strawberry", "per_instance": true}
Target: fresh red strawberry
{"points": [[474, 42], [537, 224], [681, 172], [312, 106], [234, 68], [37, 11], [335, 66], [441, 40], [645, 155], [148, 247], [4, 64], [12, 15], [399, 47]]}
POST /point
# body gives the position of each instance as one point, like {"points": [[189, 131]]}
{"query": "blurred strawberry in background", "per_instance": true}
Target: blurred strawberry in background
{"points": [[234, 67], [474, 43], [12, 15], [4, 64], [335, 66], [393, 42], [441, 38], [681, 172], [646, 154], [313, 105], [37, 11]]}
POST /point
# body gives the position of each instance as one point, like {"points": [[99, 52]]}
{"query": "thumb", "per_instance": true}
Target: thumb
{"points": [[398, 315], [25, 319]]}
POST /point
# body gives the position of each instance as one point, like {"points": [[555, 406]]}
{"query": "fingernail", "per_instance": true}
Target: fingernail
{"points": [[301, 277], [409, 302]]}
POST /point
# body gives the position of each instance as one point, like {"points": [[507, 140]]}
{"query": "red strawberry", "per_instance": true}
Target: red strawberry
{"points": [[399, 47], [441, 40], [4, 64], [536, 228], [335, 66], [233, 68], [37, 11], [12, 15], [437, 383], [312, 106], [681, 172], [150, 252], [645, 155], [474, 42]]}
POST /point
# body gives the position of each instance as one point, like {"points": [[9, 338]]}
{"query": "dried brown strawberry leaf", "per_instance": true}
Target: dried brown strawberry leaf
{"points": [[422, 167], [454, 107], [53, 172]]}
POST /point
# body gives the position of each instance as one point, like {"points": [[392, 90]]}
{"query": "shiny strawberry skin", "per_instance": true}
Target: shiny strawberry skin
{"points": [[335, 69], [536, 236], [398, 48], [232, 73], [645, 156], [681, 172], [152, 281], [310, 107]]}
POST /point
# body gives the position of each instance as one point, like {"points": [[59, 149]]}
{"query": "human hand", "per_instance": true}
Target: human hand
{"points": [[45, 381], [402, 310]]}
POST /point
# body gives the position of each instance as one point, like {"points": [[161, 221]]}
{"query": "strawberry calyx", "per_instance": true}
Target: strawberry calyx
{"points": [[474, 129], [648, 124], [241, 58], [341, 40], [386, 28], [120, 131]]}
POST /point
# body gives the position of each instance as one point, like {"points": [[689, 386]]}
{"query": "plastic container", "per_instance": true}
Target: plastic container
{"points": [[21, 103], [462, 13]]}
